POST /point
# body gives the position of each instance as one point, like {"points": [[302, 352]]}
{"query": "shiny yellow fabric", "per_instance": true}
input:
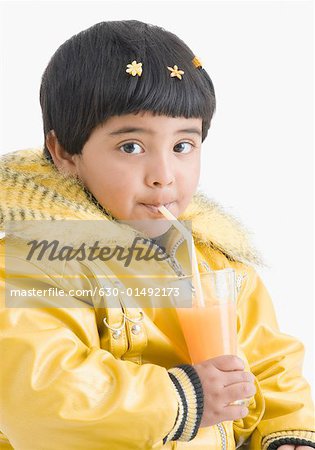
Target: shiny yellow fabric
{"points": [[67, 384], [60, 384]]}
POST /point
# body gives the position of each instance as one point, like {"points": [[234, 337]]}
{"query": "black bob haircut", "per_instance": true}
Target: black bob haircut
{"points": [[85, 81]]}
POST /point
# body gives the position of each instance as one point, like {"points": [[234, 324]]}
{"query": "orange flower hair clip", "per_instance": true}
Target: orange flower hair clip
{"points": [[197, 63]]}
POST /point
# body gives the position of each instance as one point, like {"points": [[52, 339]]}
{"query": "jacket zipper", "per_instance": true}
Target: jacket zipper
{"points": [[222, 436], [175, 247], [173, 261]]}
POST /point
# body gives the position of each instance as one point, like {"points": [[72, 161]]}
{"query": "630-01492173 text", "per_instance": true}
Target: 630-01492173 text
{"points": [[102, 291]]}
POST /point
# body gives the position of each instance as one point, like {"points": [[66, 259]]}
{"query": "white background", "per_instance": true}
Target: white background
{"points": [[257, 158]]}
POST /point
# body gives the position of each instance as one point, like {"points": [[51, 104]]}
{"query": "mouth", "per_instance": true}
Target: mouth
{"points": [[154, 208]]}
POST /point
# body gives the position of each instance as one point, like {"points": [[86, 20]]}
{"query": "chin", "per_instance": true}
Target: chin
{"points": [[150, 227], [157, 228]]}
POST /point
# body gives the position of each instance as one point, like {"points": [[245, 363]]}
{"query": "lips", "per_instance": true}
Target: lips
{"points": [[154, 207]]}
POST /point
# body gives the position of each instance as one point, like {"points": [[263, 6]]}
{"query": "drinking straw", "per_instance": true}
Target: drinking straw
{"points": [[192, 252]]}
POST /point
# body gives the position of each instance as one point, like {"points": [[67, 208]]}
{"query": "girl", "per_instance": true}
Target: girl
{"points": [[126, 106]]}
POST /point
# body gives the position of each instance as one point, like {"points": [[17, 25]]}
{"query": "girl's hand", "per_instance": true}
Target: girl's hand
{"points": [[295, 447], [223, 381]]}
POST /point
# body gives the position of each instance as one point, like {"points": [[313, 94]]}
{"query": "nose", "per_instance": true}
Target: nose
{"points": [[159, 172]]}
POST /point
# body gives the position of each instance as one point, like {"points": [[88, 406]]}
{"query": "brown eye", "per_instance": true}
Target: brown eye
{"points": [[130, 147], [184, 147]]}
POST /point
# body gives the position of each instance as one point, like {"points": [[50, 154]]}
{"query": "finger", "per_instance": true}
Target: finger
{"points": [[235, 412], [237, 391], [238, 376], [228, 363]]}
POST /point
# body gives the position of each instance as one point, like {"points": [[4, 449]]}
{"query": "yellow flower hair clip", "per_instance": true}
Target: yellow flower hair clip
{"points": [[134, 68], [175, 72]]}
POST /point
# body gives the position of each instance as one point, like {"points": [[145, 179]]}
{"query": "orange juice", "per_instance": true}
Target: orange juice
{"points": [[209, 331]]}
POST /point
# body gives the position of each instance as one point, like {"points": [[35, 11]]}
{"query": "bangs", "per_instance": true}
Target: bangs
{"points": [[155, 90], [86, 82]]}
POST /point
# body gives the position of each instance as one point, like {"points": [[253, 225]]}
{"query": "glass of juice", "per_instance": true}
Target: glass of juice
{"points": [[210, 330]]}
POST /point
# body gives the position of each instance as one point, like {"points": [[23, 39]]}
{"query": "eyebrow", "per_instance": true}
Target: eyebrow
{"points": [[143, 130]]}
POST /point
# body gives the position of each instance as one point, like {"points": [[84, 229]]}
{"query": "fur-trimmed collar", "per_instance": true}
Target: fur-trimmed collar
{"points": [[33, 189]]}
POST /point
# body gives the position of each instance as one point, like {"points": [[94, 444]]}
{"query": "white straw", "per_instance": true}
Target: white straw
{"points": [[191, 249]]}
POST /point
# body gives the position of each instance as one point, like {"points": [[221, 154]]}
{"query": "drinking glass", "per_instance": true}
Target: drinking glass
{"points": [[210, 329]]}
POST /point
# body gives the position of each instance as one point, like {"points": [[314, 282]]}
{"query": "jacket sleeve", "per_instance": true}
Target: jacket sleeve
{"points": [[190, 403], [60, 390], [276, 360]]}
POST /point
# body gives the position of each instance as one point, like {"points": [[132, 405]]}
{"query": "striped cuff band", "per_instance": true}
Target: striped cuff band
{"points": [[190, 403], [293, 437]]}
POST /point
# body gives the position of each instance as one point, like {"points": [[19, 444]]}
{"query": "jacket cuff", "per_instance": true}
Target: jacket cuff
{"points": [[294, 437], [190, 403]]}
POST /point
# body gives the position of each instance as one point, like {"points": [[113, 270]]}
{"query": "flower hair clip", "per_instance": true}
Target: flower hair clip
{"points": [[176, 72], [197, 63], [134, 68]]}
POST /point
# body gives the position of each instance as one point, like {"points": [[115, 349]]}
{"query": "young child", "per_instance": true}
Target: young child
{"points": [[126, 106]]}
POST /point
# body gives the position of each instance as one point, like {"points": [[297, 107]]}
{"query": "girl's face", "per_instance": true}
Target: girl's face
{"points": [[135, 162]]}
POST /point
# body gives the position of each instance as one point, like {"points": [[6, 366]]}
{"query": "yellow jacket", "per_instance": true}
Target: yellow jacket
{"points": [[70, 381]]}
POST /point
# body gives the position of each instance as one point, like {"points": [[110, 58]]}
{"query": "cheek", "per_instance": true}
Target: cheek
{"points": [[109, 184], [96, 177], [190, 178]]}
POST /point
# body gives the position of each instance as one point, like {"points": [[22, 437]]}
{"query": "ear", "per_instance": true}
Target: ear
{"points": [[63, 160]]}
